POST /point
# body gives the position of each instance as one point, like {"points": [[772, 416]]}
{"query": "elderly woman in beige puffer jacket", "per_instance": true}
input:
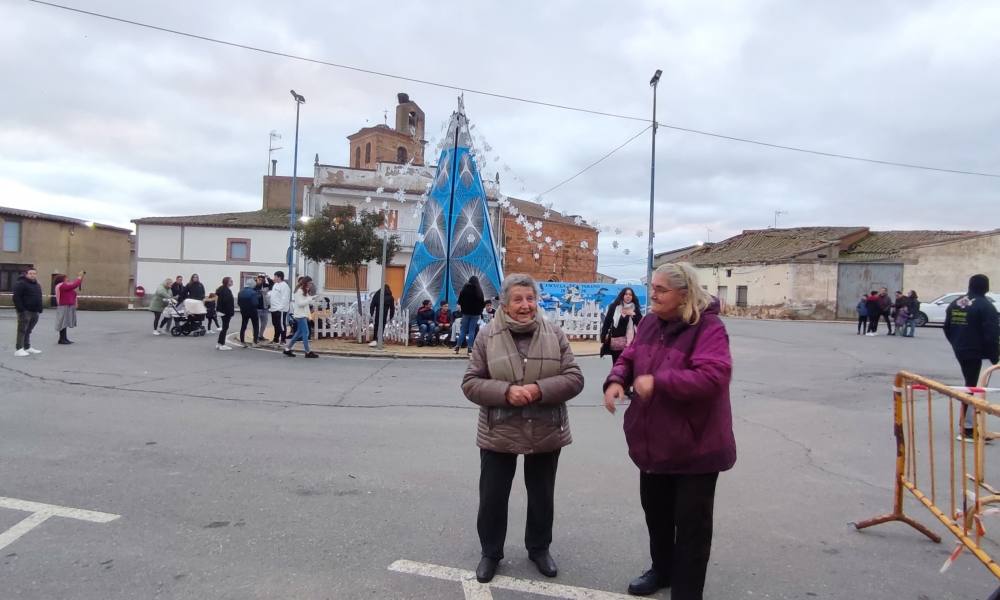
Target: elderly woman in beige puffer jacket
{"points": [[521, 374]]}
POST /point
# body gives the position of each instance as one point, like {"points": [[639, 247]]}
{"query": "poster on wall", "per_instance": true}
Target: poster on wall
{"points": [[573, 296]]}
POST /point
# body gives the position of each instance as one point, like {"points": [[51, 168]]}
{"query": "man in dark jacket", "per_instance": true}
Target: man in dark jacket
{"points": [[388, 309], [177, 288], [28, 304], [972, 327], [874, 312], [425, 323], [471, 302], [249, 301], [226, 308]]}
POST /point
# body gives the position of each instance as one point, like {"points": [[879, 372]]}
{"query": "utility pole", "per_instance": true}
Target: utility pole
{"points": [[652, 184]]}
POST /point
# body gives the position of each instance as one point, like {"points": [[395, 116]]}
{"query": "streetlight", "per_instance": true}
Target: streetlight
{"points": [[299, 101], [652, 183]]}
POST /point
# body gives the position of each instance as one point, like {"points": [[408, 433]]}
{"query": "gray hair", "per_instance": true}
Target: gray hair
{"points": [[516, 280], [682, 276]]}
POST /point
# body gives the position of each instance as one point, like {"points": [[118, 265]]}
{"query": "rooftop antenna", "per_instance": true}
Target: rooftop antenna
{"points": [[274, 136], [777, 214], [708, 234]]}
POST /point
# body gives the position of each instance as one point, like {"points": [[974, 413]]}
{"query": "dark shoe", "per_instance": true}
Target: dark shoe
{"points": [[312, 355], [456, 349], [288, 353], [64, 342], [647, 583], [487, 569], [546, 565]]}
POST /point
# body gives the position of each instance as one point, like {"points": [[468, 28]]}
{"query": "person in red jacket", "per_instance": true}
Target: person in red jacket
{"points": [[66, 302], [444, 320], [678, 426]]}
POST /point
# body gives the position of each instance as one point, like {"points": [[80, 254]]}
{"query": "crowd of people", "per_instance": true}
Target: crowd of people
{"points": [[900, 312]]}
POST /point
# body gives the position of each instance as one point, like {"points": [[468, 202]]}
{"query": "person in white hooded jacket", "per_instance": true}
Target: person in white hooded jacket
{"points": [[300, 312], [281, 298]]}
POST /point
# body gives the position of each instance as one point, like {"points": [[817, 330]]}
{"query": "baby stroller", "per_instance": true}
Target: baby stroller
{"points": [[189, 317]]}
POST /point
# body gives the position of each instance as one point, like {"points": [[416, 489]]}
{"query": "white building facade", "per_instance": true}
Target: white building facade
{"points": [[237, 245]]}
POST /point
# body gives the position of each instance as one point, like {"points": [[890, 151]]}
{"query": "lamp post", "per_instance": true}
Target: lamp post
{"points": [[381, 294], [299, 101], [652, 183]]}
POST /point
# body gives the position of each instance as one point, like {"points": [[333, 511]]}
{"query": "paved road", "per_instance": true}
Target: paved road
{"points": [[250, 475]]}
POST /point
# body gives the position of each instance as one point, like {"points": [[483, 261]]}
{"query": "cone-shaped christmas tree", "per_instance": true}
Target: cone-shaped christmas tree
{"points": [[456, 240]]}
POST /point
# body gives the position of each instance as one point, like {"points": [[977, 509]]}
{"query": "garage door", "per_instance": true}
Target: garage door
{"points": [[854, 279]]}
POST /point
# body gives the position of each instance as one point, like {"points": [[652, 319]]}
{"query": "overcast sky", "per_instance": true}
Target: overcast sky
{"points": [[109, 122]]}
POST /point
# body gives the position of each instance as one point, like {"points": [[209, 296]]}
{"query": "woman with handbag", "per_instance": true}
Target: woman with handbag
{"points": [[678, 426], [620, 324]]}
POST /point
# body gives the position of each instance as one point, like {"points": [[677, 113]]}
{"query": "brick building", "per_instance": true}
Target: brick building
{"points": [[570, 262]]}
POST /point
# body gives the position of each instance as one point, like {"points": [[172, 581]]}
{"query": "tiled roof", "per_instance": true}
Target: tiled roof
{"points": [[258, 219], [534, 210], [769, 245], [28, 214], [881, 245]]}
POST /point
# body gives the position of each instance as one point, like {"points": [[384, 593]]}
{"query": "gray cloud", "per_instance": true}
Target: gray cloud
{"points": [[107, 121]]}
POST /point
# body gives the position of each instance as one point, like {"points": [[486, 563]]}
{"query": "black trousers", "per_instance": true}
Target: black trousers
{"points": [[888, 321], [873, 322], [862, 324], [251, 318], [278, 323], [496, 473], [26, 321], [224, 329], [156, 319], [679, 519]]}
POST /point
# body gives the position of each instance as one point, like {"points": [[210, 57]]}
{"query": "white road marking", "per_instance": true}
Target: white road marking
{"points": [[481, 591], [40, 513]]}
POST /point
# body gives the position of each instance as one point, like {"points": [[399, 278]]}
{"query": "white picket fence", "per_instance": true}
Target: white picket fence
{"points": [[341, 321], [578, 324]]}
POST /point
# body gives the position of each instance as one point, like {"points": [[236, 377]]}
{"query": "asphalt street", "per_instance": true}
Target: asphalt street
{"points": [[246, 474]]}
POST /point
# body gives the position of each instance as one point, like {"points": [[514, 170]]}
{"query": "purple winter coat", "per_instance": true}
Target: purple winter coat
{"points": [[687, 427]]}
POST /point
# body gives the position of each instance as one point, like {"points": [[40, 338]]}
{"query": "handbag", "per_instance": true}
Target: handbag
{"points": [[618, 343]]}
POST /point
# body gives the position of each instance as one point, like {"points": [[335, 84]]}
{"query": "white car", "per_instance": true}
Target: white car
{"points": [[932, 313]]}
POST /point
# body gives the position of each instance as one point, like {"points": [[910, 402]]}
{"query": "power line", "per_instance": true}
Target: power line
{"points": [[596, 162], [514, 98]]}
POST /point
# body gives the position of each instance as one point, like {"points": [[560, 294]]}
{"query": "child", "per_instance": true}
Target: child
{"points": [[862, 309], [902, 314], [488, 312], [210, 316]]}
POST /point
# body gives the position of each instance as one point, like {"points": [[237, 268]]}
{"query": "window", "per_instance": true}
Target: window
{"points": [[741, 296], [11, 236], [357, 157], [391, 219], [335, 280], [368, 153], [729, 272], [238, 250], [247, 278], [401, 155], [9, 274]]}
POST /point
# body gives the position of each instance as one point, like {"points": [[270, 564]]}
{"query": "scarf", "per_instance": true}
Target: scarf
{"points": [[630, 328], [506, 363]]}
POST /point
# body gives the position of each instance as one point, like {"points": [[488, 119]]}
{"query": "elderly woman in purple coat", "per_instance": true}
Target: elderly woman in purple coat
{"points": [[678, 426]]}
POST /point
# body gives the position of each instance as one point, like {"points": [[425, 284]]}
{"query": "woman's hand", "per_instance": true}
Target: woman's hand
{"points": [[643, 386], [612, 395], [518, 395]]}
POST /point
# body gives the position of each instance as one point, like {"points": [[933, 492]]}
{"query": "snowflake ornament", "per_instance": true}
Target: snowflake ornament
{"points": [[626, 251], [470, 238], [552, 248], [559, 243], [614, 244], [540, 246], [578, 221], [368, 199], [420, 237], [536, 256], [519, 259], [379, 190], [595, 251], [503, 250], [546, 214], [584, 244], [618, 230], [640, 233], [385, 204], [538, 225]]}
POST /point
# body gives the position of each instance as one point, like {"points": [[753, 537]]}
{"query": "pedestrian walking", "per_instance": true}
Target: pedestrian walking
{"points": [[620, 323], [263, 287], [678, 426], [177, 288], [212, 311], [28, 305], [159, 302], [66, 304], [472, 303], [194, 289], [300, 312], [226, 308], [862, 309], [249, 302], [972, 328], [521, 374]]}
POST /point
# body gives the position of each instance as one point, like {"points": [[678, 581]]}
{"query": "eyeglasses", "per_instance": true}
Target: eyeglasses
{"points": [[659, 291]]}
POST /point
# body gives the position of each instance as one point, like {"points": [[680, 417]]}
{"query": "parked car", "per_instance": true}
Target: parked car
{"points": [[933, 312]]}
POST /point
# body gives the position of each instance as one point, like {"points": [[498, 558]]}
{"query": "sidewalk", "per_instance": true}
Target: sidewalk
{"points": [[345, 347]]}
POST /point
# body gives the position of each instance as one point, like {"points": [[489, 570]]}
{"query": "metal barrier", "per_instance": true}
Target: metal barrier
{"points": [[965, 507]]}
